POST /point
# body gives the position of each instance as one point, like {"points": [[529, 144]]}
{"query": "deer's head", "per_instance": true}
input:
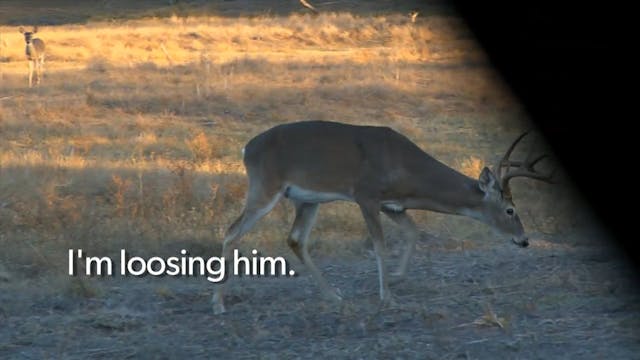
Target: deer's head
{"points": [[28, 35], [499, 211]]}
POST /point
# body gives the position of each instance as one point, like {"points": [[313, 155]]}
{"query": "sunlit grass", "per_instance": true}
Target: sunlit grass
{"points": [[329, 38], [134, 137]]}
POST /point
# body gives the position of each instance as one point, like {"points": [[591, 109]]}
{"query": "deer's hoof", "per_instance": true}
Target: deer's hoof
{"points": [[218, 308], [333, 295]]}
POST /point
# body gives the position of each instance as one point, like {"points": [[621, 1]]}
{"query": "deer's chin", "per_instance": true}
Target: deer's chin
{"points": [[524, 242]]}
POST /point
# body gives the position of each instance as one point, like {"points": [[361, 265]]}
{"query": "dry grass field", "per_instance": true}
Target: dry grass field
{"points": [[133, 140]]}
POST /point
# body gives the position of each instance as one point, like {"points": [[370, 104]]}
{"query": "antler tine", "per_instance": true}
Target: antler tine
{"points": [[505, 159], [518, 163], [538, 159], [526, 168], [524, 172]]}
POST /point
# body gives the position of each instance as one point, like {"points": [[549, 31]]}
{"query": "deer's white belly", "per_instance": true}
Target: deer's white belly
{"points": [[297, 193], [393, 206]]}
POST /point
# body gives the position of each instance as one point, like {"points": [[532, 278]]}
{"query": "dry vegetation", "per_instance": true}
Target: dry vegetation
{"points": [[134, 137], [133, 140]]}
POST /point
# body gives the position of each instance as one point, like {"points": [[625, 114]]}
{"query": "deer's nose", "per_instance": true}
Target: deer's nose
{"points": [[523, 242]]}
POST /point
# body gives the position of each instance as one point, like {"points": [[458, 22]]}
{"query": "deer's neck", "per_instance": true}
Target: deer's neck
{"points": [[448, 191], [471, 202]]}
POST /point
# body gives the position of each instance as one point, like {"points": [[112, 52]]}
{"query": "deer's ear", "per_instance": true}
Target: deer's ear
{"points": [[21, 29], [35, 29], [487, 181]]}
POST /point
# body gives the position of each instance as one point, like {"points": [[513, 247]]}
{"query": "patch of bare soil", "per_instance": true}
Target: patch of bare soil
{"points": [[547, 301]]}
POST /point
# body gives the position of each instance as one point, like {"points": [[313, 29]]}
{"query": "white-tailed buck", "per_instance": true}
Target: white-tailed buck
{"points": [[35, 54], [379, 169]]}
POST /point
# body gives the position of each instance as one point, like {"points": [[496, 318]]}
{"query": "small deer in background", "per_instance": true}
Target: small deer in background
{"points": [[413, 15], [35, 54]]}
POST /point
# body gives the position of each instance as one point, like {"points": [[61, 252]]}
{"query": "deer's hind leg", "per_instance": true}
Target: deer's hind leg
{"points": [[260, 201], [31, 70], [298, 242], [39, 69]]}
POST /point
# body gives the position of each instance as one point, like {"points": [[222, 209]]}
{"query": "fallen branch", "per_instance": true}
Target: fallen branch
{"points": [[166, 53], [308, 6]]}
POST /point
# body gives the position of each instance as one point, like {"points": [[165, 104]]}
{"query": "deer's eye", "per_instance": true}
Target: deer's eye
{"points": [[510, 211]]}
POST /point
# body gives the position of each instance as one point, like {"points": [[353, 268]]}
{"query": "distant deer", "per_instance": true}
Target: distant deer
{"points": [[413, 15], [35, 54], [314, 162]]}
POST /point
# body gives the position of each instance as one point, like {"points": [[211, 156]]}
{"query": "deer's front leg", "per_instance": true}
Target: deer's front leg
{"points": [[410, 230], [371, 214]]}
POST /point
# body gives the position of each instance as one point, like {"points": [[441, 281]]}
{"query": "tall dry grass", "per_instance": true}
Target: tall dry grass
{"points": [[133, 139]]}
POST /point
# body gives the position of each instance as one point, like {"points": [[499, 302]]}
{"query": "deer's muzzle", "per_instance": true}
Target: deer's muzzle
{"points": [[522, 242]]}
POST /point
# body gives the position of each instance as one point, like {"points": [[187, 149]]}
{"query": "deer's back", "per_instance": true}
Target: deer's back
{"points": [[39, 45], [328, 155]]}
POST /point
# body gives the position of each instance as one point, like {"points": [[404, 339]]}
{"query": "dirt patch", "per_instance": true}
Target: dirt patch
{"points": [[497, 301]]}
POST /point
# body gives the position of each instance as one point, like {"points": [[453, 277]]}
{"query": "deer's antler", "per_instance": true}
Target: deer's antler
{"points": [[524, 168]]}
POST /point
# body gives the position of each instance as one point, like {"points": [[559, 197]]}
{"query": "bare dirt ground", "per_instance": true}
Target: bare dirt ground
{"points": [[500, 301]]}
